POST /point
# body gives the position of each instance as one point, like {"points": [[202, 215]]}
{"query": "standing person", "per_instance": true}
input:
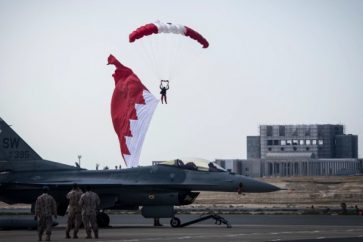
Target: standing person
{"points": [[157, 222], [74, 211], [357, 210], [90, 203], [163, 90], [45, 207]]}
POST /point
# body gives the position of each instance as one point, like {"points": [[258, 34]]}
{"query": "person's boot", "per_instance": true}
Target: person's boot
{"points": [[47, 238], [67, 235], [96, 234], [157, 222], [75, 235], [88, 236], [39, 237]]}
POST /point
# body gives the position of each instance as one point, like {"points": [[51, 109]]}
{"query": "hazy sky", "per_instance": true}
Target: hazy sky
{"points": [[269, 62]]}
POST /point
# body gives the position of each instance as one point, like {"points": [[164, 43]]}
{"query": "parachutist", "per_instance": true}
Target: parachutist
{"points": [[163, 90]]}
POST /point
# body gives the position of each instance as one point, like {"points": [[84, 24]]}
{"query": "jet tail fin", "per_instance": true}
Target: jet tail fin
{"points": [[13, 147]]}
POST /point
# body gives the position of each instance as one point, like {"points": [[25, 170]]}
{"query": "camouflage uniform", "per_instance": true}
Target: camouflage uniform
{"points": [[90, 203], [45, 207], [74, 212]]}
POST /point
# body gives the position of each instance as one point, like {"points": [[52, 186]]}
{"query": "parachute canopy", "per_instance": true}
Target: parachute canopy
{"points": [[159, 27], [132, 107]]}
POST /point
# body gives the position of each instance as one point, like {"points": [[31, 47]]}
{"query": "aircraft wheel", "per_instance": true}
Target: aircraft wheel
{"points": [[175, 222], [103, 220]]}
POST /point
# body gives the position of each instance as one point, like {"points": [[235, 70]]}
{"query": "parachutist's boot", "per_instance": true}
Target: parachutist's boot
{"points": [[39, 237], [67, 235], [75, 235], [96, 234]]}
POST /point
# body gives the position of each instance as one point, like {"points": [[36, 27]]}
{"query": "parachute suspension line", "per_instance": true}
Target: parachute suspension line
{"points": [[146, 58], [154, 56], [171, 55], [162, 51], [149, 53], [150, 45], [163, 54], [177, 53]]}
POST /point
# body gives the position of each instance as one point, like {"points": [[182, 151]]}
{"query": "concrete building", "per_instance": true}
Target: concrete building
{"points": [[317, 141], [299, 150]]}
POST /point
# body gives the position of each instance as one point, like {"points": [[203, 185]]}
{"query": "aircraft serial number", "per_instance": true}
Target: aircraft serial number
{"points": [[19, 154]]}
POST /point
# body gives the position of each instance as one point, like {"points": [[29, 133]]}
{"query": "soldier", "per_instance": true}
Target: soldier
{"points": [[74, 211], [45, 207], [90, 203]]}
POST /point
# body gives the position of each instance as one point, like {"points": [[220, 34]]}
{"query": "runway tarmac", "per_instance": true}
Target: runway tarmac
{"points": [[134, 228]]}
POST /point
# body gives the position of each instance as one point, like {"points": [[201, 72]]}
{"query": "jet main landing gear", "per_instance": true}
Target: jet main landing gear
{"points": [[103, 220]]}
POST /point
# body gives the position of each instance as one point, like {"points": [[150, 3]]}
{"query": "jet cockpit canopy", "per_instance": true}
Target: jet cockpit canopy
{"points": [[197, 164]]}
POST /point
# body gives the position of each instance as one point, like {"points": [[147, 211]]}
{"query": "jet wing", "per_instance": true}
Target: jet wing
{"points": [[110, 185]]}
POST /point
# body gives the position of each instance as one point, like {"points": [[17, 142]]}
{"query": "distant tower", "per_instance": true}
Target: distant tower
{"points": [[79, 160]]}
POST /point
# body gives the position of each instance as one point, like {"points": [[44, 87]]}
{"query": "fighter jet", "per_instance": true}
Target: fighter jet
{"points": [[156, 189]]}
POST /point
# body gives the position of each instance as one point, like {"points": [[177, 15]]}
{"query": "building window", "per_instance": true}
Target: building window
{"points": [[313, 142], [269, 130], [308, 142], [269, 149], [269, 142], [302, 142], [295, 142], [321, 142], [276, 142], [307, 148], [288, 142], [283, 142], [307, 132], [281, 130], [282, 148], [295, 149], [320, 131]]}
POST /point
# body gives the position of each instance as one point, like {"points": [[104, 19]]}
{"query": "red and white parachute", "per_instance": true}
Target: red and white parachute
{"points": [[132, 107], [159, 27], [165, 49]]}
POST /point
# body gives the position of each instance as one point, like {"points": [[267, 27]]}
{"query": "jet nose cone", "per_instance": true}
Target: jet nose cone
{"points": [[266, 187], [259, 186]]}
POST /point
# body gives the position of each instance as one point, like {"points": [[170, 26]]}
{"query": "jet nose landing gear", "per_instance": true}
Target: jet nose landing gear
{"points": [[175, 222]]}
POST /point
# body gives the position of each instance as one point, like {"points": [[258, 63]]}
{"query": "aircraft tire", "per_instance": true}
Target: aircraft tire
{"points": [[175, 222], [103, 220]]}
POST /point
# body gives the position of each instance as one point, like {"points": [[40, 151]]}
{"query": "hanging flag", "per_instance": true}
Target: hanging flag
{"points": [[132, 107]]}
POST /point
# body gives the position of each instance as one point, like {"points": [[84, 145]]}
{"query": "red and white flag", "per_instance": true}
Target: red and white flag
{"points": [[132, 107]]}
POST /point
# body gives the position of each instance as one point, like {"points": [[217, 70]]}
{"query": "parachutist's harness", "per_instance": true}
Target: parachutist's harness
{"points": [[164, 88]]}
